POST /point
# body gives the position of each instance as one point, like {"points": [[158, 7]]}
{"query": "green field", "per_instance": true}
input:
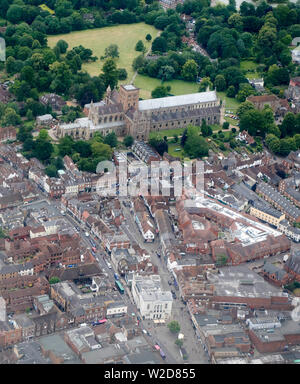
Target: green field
{"points": [[125, 36], [178, 87], [175, 150], [230, 103], [167, 132], [250, 67]]}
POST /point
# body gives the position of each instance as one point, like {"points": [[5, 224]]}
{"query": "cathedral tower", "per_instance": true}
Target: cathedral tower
{"points": [[129, 97]]}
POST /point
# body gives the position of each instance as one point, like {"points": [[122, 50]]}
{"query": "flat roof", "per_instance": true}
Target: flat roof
{"points": [[173, 101], [129, 87]]}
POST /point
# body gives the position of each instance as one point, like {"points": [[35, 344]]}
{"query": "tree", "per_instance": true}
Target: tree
{"points": [[183, 138], [195, 145], [62, 46], [111, 139], [205, 129], [253, 122], [190, 70], [166, 73], [231, 92], [138, 62], [179, 343], [205, 84], [83, 148], [15, 13], [244, 91], [128, 141], [65, 146], [148, 37], [244, 107], [51, 170], [225, 125], [111, 51], [140, 47], [122, 74], [54, 280], [160, 91], [288, 126], [62, 77], [220, 83], [221, 259], [297, 140], [159, 45], [236, 21], [161, 146], [43, 150], [101, 150], [286, 146], [2, 233], [110, 73], [273, 143], [174, 326]]}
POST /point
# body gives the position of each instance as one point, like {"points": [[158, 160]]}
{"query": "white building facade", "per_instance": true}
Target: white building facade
{"points": [[152, 302]]}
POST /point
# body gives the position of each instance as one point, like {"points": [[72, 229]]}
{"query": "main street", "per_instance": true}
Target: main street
{"points": [[160, 333]]}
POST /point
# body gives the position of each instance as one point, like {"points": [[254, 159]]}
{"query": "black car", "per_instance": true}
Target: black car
{"points": [[174, 296]]}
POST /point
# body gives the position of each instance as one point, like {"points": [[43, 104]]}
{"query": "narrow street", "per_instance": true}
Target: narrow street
{"points": [[160, 333]]}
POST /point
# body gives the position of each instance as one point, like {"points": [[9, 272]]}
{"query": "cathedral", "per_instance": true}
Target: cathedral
{"points": [[124, 113]]}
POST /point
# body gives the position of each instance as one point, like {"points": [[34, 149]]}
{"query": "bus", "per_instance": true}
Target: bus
{"points": [[162, 354], [119, 286], [98, 322]]}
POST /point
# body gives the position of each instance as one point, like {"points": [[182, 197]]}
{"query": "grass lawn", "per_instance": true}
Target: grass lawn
{"points": [[125, 36], [250, 67], [44, 7], [167, 132], [172, 150], [232, 121], [178, 87], [230, 103]]}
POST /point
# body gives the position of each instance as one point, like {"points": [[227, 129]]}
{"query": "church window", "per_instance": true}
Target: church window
{"points": [[116, 118], [110, 118], [105, 119]]}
